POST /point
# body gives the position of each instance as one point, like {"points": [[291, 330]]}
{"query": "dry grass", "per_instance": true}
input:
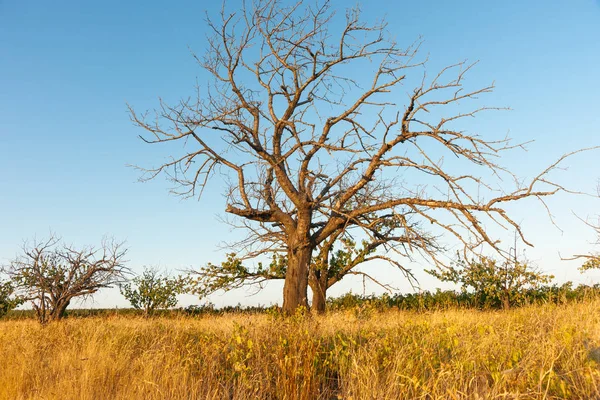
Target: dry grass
{"points": [[530, 353]]}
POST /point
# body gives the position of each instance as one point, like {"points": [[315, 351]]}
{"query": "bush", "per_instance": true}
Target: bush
{"points": [[152, 291], [7, 299], [494, 284]]}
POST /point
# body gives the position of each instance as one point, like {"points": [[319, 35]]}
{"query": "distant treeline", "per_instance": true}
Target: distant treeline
{"points": [[193, 310], [422, 301], [449, 299]]}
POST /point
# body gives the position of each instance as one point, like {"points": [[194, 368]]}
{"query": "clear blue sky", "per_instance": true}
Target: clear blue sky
{"points": [[67, 69]]}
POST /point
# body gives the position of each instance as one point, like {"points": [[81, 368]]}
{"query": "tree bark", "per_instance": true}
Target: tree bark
{"points": [[505, 301], [319, 294], [60, 310], [295, 288]]}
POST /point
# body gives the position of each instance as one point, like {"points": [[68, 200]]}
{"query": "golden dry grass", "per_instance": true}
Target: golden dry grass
{"points": [[529, 353]]}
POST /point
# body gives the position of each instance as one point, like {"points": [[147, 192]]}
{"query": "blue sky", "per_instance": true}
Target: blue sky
{"points": [[68, 68]]}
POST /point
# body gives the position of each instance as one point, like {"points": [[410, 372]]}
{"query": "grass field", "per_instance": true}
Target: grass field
{"points": [[529, 353]]}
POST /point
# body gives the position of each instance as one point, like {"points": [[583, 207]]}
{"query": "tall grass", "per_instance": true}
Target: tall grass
{"points": [[528, 353]]}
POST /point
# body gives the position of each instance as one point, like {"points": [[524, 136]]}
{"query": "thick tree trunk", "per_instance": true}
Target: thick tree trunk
{"points": [[60, 310], [295, 288]]}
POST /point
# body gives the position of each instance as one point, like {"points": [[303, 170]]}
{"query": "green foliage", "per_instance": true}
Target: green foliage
{"points": [[347, 257], [232, 274], [494, 283], [363, 306], [440, 300], [209, 309], [152, 291], [7, 299], [593, 262]]}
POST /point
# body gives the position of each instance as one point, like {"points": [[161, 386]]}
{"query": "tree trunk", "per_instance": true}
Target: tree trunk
{"points": [[505, 301], [296, 279], [319, 299], [41, 309], [319, 292], [60, 310]]}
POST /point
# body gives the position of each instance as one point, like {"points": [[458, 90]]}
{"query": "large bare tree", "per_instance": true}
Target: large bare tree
{"points": [[51, 274], [311, 116]]}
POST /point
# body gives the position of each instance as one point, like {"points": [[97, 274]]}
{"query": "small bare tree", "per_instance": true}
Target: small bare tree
{"points": [[319, 134], [592, 260], [51, 274]]}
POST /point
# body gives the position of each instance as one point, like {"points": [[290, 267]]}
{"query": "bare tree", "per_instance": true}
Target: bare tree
{"points": [[310, 123], [591, 260], [50, 275]]}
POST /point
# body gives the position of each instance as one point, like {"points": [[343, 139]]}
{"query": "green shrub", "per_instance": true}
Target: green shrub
{"points": [[495, 284], [7, 299], [152, 291]]}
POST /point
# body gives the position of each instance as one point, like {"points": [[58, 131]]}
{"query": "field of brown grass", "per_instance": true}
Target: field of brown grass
{"points": [[530, 353]]}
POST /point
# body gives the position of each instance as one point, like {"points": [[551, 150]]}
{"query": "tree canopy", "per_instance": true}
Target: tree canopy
{"points": [[50, 274], [324, 129]]}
